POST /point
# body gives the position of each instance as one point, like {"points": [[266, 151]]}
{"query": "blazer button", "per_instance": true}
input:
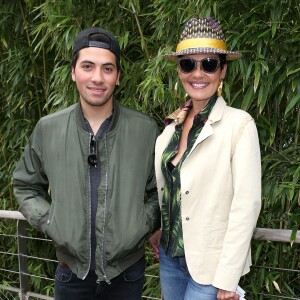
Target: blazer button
{"points": [[187, 192], [48, 222], [187, 218], [162, 189]]}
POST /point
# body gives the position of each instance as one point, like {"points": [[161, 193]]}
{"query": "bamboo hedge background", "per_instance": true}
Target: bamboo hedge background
{"points": [[36, 39]]}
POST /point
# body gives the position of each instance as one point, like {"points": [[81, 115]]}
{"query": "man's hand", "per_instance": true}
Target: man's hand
{"points": [[154, 240], [227, 295]]}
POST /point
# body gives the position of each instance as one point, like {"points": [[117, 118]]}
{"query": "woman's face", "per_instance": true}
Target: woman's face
{"points": [[201, 86]]}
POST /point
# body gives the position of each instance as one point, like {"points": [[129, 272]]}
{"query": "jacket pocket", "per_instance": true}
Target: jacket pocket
{"points": [[63, 275], [214, 236], [135, 272]]}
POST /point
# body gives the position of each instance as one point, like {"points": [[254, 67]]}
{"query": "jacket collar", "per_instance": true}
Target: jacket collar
{"points": [[179, 115], [217, 111], [114, 122], [214, 116]]}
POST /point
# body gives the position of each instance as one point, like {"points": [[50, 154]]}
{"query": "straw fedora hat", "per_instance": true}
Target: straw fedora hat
{"points": [[202, 35]]}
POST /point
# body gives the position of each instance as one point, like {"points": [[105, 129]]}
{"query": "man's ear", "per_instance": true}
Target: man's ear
{"points": [[118, 78], [73, 74]]}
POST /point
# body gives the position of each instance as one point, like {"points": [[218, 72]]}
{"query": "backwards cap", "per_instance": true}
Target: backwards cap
{"points": [[104, 39]]}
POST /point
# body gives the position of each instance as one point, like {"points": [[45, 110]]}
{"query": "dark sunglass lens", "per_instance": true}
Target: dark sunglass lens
{"points": [[187, 65], [92, 158], [210, 65]]}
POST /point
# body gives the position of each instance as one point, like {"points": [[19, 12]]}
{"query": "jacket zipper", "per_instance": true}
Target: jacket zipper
{"points": [[89, 211], [105, 211]]}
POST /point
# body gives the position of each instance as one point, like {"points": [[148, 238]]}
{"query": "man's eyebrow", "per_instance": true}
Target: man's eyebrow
{"points": [[109, 64], [87, 62]]}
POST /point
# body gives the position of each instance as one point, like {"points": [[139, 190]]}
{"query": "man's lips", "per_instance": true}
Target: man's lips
{"points": [[97, 89]]}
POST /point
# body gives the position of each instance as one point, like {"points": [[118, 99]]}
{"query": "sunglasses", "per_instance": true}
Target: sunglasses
{"points": [[207, 65], [92, 158]]}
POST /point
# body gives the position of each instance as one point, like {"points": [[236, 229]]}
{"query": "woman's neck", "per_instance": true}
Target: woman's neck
{"points": [[198, 105]]}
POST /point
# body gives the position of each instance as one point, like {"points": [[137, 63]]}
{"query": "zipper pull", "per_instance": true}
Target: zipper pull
{"points": [[106, 280]]}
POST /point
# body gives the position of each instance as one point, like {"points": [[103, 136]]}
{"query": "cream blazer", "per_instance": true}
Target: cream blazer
{"points": [[220, 195]]}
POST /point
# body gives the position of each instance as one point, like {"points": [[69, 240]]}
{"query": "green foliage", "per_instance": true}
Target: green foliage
{"points": [[152, 285], [36, 39]]}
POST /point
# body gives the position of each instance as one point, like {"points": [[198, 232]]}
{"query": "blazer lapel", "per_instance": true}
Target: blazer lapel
{"points": [[207, 130], [215, 116]]}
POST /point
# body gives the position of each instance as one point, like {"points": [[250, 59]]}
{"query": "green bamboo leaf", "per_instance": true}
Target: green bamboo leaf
{"points": [[290, 72], [294, 101], [262, 97], [258, 252], [247, 99], [265, 32], [274, 27], [248, 73], [257, 74], [267, 284], [293, 235]]}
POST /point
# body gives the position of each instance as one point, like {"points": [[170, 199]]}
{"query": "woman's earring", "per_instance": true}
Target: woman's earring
{"points": [[176, 91], [219, 91]]}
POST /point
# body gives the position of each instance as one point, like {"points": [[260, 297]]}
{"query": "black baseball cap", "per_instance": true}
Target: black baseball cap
{"points": [[103, 39]]}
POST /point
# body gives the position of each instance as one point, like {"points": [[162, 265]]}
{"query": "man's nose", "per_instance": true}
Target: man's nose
{"points": [[97, 75]]}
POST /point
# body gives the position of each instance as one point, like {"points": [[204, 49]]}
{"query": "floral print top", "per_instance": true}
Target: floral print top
{"points": [[172, 237]]}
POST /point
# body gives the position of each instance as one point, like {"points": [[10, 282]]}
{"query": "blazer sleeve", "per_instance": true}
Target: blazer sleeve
{"points": [[245, 207]]}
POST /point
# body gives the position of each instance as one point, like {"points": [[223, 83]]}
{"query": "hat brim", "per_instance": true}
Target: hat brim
{"points": [[230, 55]]}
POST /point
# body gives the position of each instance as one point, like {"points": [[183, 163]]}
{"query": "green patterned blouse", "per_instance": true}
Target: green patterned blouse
{"points": [[172, 238]]}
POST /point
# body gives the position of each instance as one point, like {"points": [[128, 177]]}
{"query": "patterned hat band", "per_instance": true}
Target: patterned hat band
{"points": [[202, 35]]}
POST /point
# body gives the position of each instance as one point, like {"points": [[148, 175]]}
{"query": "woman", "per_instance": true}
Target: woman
{"points": [[208, 176]]}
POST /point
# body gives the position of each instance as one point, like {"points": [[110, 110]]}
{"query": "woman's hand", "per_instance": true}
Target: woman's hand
{"points": [[222, 295], [154, 240]]}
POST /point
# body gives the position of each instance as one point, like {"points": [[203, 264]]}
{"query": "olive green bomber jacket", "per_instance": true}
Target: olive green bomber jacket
{"points": [[55, 162]]}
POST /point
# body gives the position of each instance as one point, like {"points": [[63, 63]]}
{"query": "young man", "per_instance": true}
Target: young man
{"points": [[95, 161]]}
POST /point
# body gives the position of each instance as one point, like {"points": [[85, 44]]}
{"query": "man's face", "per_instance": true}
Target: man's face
{"points": [[96, 76]]}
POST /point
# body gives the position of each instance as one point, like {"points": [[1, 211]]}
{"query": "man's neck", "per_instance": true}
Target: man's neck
{"points": [[96, 115]]}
